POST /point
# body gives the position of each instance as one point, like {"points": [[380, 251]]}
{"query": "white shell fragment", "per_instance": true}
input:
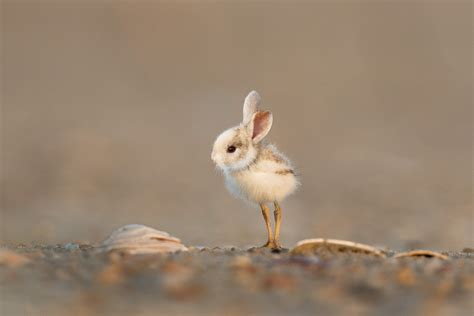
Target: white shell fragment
{"points": [[139, 239], [312, 246], [422, 253]]}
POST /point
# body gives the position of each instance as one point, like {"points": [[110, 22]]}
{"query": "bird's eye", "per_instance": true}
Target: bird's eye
{"points": [[231, 149]]}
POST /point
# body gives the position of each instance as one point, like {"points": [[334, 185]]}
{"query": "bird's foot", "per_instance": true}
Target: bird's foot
{"points": [[273, 245]]}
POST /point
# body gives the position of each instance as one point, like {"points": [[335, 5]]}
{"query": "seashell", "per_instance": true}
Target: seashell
{"points": [[311, 246], [140, 239], [422, 253]]}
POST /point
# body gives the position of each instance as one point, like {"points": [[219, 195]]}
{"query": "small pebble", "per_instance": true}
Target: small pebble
{"points": [[71, 246]]}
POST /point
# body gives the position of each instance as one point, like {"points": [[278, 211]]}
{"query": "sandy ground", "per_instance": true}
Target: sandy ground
{"points": [[73, 279]]}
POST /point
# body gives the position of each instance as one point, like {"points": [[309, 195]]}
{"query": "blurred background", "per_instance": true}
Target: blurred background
{"points": [[110, 110]]}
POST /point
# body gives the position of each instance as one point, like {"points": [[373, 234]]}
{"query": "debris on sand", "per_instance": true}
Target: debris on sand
{"points": [[140, 239], [333, 246]]}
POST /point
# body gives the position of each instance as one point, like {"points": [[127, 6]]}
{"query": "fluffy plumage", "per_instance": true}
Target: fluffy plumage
{"points": [[253, 170], [270, 177]]}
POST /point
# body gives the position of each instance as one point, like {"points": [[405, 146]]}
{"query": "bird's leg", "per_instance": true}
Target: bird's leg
{"points": [[266, 216], [277, 214]]}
